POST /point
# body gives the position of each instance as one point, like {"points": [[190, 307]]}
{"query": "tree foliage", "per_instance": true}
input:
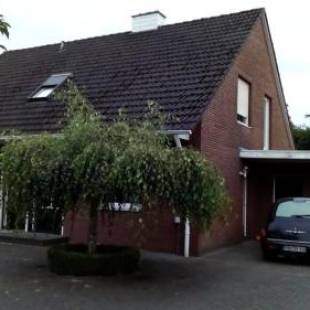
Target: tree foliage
{"points": [[92, 164], [4, 29], [301, 136]]}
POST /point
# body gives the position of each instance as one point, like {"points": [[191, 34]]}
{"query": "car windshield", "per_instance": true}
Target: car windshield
{"points": [[293, 208]]}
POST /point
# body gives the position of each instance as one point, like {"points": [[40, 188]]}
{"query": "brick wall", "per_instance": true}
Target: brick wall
{"points": [[222, 136], [153, 230]]}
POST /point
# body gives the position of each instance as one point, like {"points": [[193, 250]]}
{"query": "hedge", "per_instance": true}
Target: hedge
{"points": [[73, 259]]}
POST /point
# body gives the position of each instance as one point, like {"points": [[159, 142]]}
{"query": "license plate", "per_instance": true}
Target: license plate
{"points": [[294, 249]]}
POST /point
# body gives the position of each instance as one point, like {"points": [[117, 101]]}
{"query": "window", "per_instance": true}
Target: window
{"points": [[294, 208], [43, 92], [122, 207], [266, 123], [243, 100], [49, 85]]}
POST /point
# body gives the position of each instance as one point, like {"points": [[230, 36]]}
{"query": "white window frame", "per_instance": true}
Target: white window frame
{"points": [[243, 101], [122, 207], [45, 90], [266, 125]]}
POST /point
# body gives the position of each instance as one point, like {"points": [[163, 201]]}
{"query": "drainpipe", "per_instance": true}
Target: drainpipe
{"points": [[244, 174], [26, 229], [62, 229], [274, 189], [187, 227], [1, 217], [187, 237], [2, 211]]}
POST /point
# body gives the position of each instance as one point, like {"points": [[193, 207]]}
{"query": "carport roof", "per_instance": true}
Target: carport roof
{"points": [[275, 155]]}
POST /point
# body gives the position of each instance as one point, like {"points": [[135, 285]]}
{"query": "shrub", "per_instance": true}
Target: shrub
{"points": [[73, 259]]}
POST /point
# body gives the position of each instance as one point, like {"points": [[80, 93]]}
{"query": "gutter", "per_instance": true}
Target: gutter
{"points": [[182, 134]]}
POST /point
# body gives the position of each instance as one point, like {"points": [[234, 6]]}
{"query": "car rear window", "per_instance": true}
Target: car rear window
{"points": [[293, 208]]}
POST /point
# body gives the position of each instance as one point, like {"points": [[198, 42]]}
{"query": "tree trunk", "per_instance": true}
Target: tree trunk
{"points": [[92, 230]]}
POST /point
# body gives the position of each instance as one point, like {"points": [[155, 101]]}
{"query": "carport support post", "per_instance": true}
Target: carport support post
{"points": [[244, 173]]}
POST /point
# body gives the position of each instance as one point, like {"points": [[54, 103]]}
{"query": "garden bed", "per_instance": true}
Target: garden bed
{"points": [[73, 259]]}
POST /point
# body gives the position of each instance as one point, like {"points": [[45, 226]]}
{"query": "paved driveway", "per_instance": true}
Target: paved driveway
{"points": [[231, 278]]}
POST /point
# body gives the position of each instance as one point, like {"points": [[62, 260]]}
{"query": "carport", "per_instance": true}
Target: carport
{"points": [[268, 176]]}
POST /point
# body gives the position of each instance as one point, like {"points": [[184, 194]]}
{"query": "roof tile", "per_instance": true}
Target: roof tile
{"points": [[179, 66]]}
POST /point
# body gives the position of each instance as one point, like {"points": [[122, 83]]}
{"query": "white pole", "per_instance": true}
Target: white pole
{"points": [[1, 205], [27, 222], [1, 209], [187, 237], [244, 173], [33, 221], [1, 216], [5, 214], [62, 225], [187, 227]]}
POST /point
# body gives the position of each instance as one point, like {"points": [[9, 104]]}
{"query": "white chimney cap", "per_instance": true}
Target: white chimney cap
{"points": [[147, 21]]}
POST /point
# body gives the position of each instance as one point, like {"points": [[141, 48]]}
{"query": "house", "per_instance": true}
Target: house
{"points": [[217, 75]]}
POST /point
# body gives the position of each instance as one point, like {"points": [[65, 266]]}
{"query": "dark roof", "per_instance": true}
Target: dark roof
{"points": [[179, 66]]}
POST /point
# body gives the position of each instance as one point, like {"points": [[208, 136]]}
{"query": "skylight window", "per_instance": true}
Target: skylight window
{"points": [[43, 92], [49, 86]]}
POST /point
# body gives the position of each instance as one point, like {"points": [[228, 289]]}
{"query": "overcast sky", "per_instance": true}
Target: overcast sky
{"points": [[38, 22]]}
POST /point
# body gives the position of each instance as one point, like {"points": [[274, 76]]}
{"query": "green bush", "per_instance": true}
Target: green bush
{"points": [[73, 259]]}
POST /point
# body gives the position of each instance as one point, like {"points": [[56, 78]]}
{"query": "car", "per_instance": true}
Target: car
{"points": [[287, 232]]}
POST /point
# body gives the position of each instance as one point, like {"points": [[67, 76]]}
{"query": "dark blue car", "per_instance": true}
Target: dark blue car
{"points": [[288, 230]]}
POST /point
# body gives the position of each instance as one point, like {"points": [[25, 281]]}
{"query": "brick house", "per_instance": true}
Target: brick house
{"points": [[217, 75]]}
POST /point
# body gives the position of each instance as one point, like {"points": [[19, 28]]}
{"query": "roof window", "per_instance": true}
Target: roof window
{"points": [[49, 86]]}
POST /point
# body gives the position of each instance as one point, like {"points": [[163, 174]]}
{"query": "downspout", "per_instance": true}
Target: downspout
{"points": [[244, 174], [187, 227], [1, 205], [274, 189], [3, 199]]}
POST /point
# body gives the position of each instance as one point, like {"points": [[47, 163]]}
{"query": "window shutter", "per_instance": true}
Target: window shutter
{"points": [[243, 97]]}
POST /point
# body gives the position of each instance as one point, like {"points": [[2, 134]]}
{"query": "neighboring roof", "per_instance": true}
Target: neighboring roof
{"points": [[275, 155], [179, 66]]}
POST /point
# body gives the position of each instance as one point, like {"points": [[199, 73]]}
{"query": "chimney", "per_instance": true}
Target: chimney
{"points": [[147, 21]]}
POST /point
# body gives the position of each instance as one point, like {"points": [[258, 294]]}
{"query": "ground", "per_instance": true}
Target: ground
{"points": [[230, 278]]}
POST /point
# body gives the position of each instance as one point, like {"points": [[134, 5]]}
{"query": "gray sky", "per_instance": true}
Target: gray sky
{"points": [[39, 22]]}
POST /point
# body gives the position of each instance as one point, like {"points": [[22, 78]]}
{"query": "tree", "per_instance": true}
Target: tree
{"points": [[92, 164], [4, 29], [301, 135]]}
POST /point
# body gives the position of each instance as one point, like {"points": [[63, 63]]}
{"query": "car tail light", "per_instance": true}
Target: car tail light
{"points": [[261, 235]]}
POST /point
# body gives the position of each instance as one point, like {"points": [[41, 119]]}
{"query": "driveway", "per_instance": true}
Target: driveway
{"points": [[230, 278]]}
